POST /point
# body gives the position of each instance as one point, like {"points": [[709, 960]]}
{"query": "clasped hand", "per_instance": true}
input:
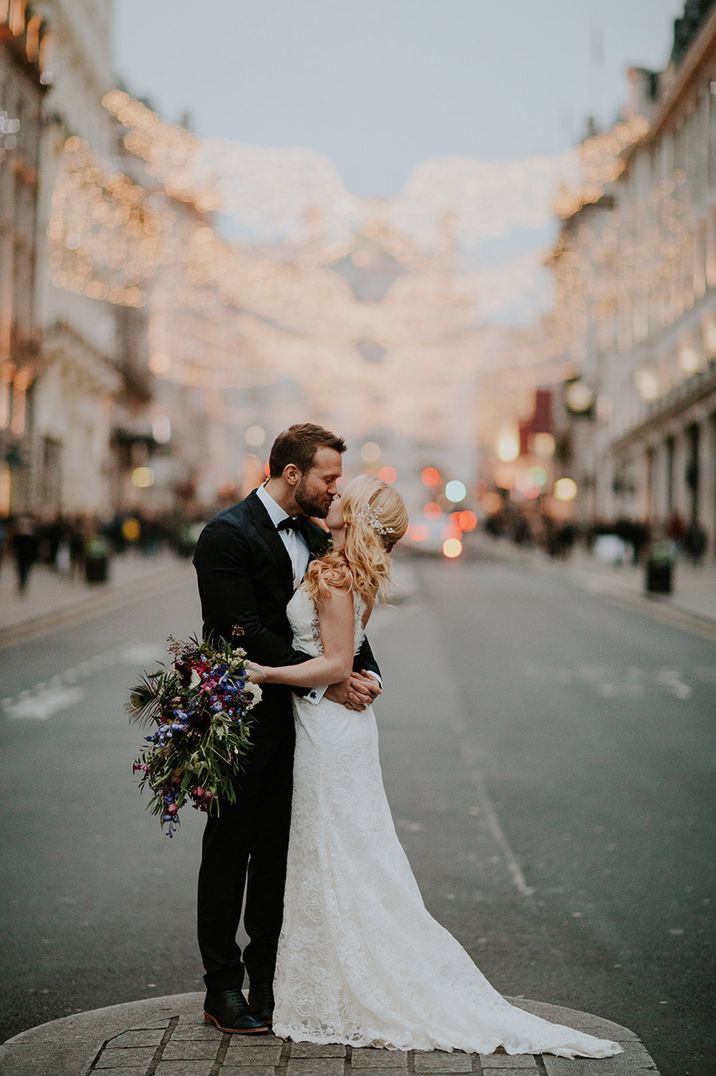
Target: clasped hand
{"points": [[355, 693]]}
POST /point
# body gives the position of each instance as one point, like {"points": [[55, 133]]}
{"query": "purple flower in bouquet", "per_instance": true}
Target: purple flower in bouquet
{"points": [[201, 705]]}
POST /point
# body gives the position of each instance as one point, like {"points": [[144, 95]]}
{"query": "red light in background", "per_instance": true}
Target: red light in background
{"points": [[418, 533], [432, 509], [430, 477], [388, 474], [466, 520]]}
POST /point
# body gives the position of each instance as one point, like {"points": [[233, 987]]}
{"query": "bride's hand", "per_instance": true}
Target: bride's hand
{"points": [[256, 674]]}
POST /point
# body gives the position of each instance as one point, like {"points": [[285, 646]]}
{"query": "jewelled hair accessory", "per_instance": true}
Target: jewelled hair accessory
{"points": [[371, 516]]}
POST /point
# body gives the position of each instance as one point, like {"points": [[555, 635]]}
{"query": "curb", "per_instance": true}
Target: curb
{"points": [[166, 1036]]}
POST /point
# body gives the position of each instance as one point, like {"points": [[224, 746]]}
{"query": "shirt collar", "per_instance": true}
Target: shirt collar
{"points": [[275, 511]]}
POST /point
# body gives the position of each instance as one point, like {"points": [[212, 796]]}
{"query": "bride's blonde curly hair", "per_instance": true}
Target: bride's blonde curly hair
{"points": [[376, 518]]}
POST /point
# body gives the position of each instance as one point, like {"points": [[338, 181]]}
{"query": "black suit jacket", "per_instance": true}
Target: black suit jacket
{"points": [[246, 580]]}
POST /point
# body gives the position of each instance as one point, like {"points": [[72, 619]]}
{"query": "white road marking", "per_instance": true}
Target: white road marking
{"points": [[620, 691], [614, 682], [41, 706], [486, 810], [493, 824], [411, 827], [671, 680], [46, 698]]}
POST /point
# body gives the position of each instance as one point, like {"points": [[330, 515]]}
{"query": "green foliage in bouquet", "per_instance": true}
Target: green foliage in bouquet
{"points": [[200, 704]]}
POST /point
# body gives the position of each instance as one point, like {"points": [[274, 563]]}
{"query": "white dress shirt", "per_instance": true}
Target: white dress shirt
{"points": [[299, 553], [294, 541]]}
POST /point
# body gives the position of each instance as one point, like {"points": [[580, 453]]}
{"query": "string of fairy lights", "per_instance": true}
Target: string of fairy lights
{"points": [[226, 315], [284, 300], [107, 235], [633, 270]]}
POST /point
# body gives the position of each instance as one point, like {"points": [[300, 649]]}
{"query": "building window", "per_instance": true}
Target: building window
{"points": [[51, 473]]}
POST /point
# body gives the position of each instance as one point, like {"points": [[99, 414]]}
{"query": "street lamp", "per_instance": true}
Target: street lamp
{"points": [[647, 384], [508, 444], [689, 359], [143, 477], [579, 397], [565, 489]]}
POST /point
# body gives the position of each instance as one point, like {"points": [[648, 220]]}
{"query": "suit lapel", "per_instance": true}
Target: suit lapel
{"points": [[264, 525]]}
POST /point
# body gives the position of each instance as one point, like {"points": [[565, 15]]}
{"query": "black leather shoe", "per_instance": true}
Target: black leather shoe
{"points": [[227, 1010], [261, 1001]]}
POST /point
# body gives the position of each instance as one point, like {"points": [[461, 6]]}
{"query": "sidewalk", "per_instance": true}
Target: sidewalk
{"points": [[51, 598], [694, 589], [167, 1037]]}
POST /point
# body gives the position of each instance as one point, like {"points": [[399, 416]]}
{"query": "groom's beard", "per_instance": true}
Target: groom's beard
{"points": [[312, 504]]}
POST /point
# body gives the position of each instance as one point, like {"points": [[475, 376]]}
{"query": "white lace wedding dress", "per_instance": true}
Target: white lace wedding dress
{"points": [[360, 959]]}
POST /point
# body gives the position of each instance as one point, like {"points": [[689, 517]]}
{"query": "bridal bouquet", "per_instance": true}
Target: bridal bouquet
{"points": [[200, 704]]}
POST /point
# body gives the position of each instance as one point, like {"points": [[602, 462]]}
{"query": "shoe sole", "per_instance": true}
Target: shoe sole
{"points": [[209, 1019]]}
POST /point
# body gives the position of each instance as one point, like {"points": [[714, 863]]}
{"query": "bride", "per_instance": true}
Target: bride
{"points": [[360, 959]]}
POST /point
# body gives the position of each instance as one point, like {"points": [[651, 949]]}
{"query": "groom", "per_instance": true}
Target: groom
{"points": [[249, 559]]}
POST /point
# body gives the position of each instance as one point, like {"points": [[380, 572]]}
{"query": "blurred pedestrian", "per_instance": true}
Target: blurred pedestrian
{"points": [[77, 546], [521, 533], [3, 538], [694, 542], [52, 535], [566, 537], [25, 548], [640, 539], [675, 530]]}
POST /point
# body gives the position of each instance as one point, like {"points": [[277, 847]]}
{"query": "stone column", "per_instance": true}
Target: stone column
{"points": [[659, 499], [707, 478], [682, 494]]}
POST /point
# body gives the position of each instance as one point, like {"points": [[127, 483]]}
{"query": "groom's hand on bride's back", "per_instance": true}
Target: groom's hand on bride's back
{"points": [[355, 693]]}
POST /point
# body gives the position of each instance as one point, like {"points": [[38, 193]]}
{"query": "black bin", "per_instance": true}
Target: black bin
{"points": [[96, 561], [660, 570]]}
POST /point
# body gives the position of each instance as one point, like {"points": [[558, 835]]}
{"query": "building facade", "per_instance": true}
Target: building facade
{"points": [[635, 269], [71, 466], [23, 36]]}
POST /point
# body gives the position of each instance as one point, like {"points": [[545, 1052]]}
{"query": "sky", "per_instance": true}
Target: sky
{"points": [[380, 85]]}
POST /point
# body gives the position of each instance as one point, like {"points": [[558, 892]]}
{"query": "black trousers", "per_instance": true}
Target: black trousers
{"points": [[244, 851]]}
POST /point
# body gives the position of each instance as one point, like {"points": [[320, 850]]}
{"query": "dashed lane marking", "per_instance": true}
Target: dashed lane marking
{"points": [[48, 697]]}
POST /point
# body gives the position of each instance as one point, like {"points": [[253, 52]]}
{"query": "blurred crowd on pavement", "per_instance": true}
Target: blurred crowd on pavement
{"points": [[80, 547], [615, 541]]}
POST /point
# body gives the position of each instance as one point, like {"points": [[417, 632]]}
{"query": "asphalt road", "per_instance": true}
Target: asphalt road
{"points": [[549, 756]]}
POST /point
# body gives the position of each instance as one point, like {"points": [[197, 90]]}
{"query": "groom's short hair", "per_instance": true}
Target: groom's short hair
{"points": [[299, 444]]}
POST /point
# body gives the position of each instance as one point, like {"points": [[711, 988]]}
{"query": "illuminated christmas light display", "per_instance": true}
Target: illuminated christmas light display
{"points": [[107, 235], [227, 316]]}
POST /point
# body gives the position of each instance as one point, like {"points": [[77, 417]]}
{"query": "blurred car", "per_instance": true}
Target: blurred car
{"points": [[434, 535]]}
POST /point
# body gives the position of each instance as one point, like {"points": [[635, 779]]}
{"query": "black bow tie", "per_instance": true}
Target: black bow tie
{"points": [[291, 523]]}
